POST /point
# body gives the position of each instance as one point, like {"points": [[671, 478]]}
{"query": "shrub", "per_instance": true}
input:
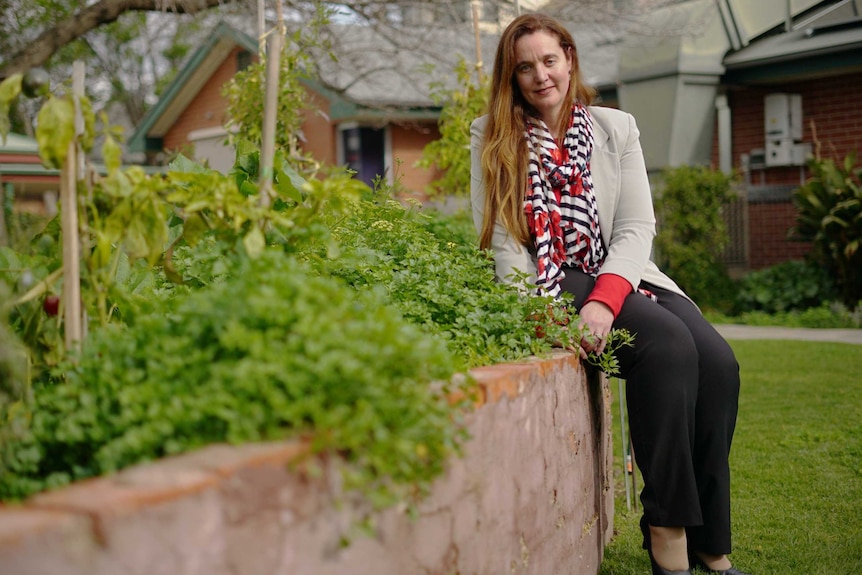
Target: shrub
{"points": [[830, 216], [692, 233], [269, 352], [787, 286], [440, 282], [450, 154]]}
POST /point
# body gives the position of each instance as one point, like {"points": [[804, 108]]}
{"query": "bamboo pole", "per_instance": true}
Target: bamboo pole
{"points": [[474, 6], [261, 18], [69, 223], [270, 108]]}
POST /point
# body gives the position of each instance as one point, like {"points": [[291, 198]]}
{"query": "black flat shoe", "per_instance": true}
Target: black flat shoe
{"points": [[659, 570], [696, 561]]}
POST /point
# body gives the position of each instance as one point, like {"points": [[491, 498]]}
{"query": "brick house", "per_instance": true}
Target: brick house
{"points": [[738, 85], [23, 177], [371, 136], [791, 92]]}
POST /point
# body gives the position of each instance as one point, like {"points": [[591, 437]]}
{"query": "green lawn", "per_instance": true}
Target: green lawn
{"points": [[796, 465]]}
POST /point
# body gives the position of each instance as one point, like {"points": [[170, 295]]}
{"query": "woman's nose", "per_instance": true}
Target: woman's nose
{"points": [[541, 74]]}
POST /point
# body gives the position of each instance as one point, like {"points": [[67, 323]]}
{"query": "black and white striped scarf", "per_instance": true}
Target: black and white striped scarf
{"points": [[560, 203]]}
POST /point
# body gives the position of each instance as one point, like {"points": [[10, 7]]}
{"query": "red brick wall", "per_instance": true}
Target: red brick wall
{"points": [[833, 106], [319, 133], [207, 109], [408, 141], [768, 228]]}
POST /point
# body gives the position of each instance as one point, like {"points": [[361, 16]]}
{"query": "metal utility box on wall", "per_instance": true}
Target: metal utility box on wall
{"points": [[783, 128], [783, 115]]}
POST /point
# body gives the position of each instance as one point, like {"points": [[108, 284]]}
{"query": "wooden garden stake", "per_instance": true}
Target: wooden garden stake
{"points": [[69, 222], [270, 109], [474, 6]]}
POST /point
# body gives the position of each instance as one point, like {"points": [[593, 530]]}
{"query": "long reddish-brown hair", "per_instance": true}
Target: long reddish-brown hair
{"points": [[504, 157]]}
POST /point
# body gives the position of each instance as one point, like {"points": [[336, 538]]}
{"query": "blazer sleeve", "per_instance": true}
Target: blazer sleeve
{"points": [[629, 243], [509, 255]]}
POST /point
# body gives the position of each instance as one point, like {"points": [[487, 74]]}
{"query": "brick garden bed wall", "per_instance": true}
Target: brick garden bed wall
{"points": [[532, 494]]}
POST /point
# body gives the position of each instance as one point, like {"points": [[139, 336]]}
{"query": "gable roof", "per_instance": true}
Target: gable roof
{"points": [[203, 62], [818, 47], [384, 92]]}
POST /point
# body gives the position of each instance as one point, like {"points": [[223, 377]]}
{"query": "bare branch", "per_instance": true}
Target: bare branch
{"points": [[103, 12]]}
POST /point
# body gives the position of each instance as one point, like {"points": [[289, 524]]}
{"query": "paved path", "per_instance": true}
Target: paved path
{"points": [[754, 332]]}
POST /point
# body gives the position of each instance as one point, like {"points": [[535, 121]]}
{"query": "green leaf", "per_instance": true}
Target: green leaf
{"points": [[254, 242], [88, 136], [55, 130], [10, 88], [112, 154], [286, 188], [194, 228], [185, 165]]}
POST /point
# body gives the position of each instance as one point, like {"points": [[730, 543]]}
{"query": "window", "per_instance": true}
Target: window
{"points": [[365, 152], [243, 60]]}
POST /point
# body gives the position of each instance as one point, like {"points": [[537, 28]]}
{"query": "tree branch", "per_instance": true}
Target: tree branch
{"points": [[103, 12]]}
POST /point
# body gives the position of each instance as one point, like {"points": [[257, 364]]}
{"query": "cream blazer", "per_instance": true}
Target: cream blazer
{"points": [[626, 216]]}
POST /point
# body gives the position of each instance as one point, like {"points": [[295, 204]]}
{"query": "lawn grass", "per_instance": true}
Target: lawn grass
{"points": [[796, 465]]}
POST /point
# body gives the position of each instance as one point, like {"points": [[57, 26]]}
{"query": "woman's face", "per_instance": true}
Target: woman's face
{"points": [[542, 69]]}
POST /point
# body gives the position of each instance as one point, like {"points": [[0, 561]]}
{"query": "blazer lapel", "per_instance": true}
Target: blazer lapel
{"points": [[604, 167]]}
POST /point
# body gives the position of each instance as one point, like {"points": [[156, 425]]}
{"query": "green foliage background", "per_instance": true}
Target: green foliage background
{"points": [[450, 154], [692, 233], [829, 215]]}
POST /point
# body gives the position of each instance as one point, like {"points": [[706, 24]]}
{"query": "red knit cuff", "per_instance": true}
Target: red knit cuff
{"points": [[611, 290]]}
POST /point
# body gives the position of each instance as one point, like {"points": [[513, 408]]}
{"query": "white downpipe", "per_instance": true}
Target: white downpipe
{"points": [[725, 158]]}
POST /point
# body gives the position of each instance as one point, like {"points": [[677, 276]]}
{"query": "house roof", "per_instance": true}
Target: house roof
{"points": [[202, 64], [18, 144], [812, 50], [399, 66]]}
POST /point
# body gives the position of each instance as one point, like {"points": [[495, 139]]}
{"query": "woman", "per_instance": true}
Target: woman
{"points": [[560, 192]]}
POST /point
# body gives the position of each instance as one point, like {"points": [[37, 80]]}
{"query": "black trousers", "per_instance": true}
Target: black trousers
{"points": [[682, 390]]}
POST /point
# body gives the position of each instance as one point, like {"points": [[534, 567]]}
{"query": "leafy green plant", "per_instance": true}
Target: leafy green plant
{"points": [[833, 315], [296, 354], [13, 365], [432, 271], [210, 330], [450, 154], [787, 286], [829, 215], [692, 233], [55, 129], [245, 93]]}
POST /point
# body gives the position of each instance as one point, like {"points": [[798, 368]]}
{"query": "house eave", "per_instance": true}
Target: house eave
{"points": [[187, 84]]}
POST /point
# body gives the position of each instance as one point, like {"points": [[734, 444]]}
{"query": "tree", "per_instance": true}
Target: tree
{"points": [[75, 24]]}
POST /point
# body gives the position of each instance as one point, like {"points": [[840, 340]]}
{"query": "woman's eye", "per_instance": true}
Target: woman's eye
{"points": [[523, 68], [550, 61]]}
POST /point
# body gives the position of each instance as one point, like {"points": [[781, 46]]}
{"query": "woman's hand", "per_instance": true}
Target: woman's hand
{"points": [[596, 321]]}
